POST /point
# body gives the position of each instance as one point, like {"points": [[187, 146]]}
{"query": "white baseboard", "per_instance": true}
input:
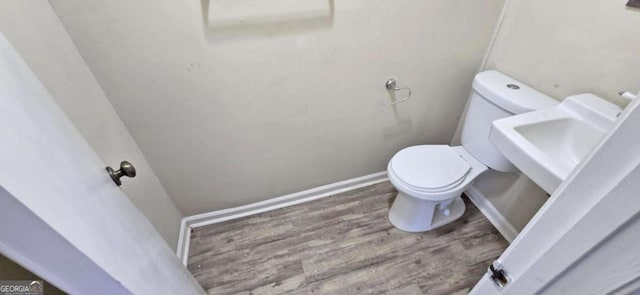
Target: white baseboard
{"points": [[488, 210], [212, 217], [506, 229]]}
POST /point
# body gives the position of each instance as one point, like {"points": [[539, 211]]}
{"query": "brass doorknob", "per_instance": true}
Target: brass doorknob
{"points": [[126, 169]]}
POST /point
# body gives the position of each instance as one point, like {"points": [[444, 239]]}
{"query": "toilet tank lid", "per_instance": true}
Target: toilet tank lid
{"points": [[510, 94]]}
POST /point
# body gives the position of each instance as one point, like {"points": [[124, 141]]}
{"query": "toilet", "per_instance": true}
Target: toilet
{"points": [[430, 179]]}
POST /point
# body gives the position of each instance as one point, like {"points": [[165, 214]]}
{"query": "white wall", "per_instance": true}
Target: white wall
{"points": [[234, 116], [514, 195], [35, 31], [572, 46], [561, 48], [58, 204]]}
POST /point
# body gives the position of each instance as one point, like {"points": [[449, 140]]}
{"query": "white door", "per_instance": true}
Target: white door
{"points": [[585, 239], [61, 215]]}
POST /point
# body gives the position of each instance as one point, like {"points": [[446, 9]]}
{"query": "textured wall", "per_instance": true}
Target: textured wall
{"points": [[233, 116], [572, 46]]}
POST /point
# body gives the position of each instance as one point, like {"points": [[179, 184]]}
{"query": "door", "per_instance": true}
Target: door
{"points": [[61, 215], [585, 239]]}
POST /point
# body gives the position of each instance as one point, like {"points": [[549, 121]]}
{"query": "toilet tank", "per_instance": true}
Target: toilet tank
{"points": [[494, 96]]}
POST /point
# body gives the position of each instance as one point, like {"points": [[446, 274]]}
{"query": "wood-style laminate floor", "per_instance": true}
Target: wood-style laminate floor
{"points": [[343, 244]]}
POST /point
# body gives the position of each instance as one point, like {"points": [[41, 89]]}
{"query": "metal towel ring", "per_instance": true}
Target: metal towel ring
{"points": [[391, 84]]}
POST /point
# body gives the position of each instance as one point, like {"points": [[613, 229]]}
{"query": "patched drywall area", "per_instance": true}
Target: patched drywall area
{"points": [[239, 114], [35, 31]]}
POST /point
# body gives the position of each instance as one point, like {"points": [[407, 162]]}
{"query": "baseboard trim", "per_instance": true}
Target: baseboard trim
{"points": [[506, 229], [324, 191]]}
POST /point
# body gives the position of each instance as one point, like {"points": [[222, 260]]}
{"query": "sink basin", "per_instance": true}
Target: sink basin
{"points": [[548, 144]]}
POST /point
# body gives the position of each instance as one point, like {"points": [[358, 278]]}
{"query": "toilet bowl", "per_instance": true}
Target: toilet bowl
{"points": [[430, 179]]}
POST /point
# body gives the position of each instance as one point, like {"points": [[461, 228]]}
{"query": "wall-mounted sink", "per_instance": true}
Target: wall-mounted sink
{"points": [[547, 145]]}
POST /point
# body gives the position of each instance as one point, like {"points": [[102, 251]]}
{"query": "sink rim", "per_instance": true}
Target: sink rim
{"points": [[536, 163], [509, 126]]}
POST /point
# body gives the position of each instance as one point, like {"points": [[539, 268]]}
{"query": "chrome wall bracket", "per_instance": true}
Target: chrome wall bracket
{"points": [[392, 85]]}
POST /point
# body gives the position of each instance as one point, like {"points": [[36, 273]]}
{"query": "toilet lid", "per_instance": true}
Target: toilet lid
{"points": [[430, 167]]}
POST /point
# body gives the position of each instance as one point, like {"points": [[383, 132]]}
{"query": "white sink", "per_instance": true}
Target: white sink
{"points": [[548, 144]]}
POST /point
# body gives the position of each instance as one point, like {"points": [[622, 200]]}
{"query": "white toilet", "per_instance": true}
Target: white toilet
{"points": [[431, 178]]}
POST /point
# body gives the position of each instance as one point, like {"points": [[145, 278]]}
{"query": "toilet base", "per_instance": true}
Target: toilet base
{"points": [[416, 215]]}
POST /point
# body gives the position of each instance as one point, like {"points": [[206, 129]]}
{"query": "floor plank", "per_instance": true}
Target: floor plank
{"points": [[343, 244]]}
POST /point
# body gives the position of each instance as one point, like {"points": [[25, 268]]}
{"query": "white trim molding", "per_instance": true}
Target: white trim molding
{"points": [[506, 229], [324, 191]]}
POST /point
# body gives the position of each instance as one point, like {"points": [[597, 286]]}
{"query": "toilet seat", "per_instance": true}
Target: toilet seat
{"points": [[430, 180], [429, 168]]}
